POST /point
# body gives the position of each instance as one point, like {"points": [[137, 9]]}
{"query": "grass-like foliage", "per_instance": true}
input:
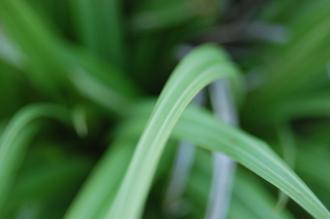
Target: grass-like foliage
{"points": [[96, 99]]}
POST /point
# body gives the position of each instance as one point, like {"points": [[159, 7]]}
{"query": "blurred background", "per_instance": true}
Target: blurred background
{"points": [[99, 58]]}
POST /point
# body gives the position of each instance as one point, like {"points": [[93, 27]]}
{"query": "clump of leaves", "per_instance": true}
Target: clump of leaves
{"points": [[97, 68]]}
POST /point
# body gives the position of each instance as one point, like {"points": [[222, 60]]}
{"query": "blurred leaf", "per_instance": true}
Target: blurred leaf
{"points": [[198, 69], [15, 139]]}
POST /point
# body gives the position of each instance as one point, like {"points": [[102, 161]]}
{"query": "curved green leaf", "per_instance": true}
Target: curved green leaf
{"points": [[15, 138], [202, 129], [199, 68]]}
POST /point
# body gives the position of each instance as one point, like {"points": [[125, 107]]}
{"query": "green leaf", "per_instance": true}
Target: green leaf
{"points": [[15, 138], [99, 27], [298, 65], [54, 65], [101, 187], [248, 194], [46, 182], [298, 107], [198, 69], [201, 128]]}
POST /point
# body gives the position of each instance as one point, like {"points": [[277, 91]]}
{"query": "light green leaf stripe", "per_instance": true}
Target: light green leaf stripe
{"points": [[201, 128], [15, 138], [171, 104], [202, 66], [256, 156]]}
